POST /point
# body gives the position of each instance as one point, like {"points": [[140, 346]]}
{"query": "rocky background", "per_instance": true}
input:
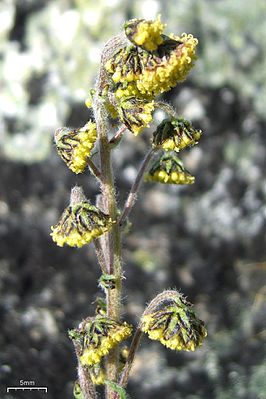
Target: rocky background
{"points": [[207, 239]]}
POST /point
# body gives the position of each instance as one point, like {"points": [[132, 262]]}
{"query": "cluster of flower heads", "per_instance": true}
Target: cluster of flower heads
{"points": [[172, 135], [80, 222], [151, 63], [96, 336], [175, 325]]}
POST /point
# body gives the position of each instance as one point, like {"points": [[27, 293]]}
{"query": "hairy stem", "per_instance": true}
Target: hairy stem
{"points": [[131, 199], [167, 108], [85, 382], [114, 267], [100, 255], [165, 296], [84, 377]]}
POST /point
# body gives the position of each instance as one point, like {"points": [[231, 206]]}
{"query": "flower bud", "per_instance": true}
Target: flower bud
{"points": [[80, 222], [175, 134], [97, 336], [170, 170], [74, 145], [175, 325]]}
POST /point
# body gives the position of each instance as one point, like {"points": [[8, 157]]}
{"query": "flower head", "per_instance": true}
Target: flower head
{"points": [[175, 325], [175, 134], [80, 222], [169, 169], [170, 65], [135, 113], [145, 34], [153, 64], [97, 336], [74, 145]]}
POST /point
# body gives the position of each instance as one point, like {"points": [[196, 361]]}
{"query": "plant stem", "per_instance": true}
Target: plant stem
{"points": [[133, 348], [167, 108], [114, 267], [85, 382], [84, 377], [100, 255], [131, 199]]}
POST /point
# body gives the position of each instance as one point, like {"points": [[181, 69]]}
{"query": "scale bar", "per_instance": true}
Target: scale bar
{"points": [[45, 389]]}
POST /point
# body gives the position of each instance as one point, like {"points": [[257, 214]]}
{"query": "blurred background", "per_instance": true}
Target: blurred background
{"points": [[207, 239]]}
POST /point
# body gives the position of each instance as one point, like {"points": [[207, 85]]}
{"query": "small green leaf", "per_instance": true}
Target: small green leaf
{"points": [[118, 389]]}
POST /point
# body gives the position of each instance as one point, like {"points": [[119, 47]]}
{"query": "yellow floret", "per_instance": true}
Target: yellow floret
{"points": [[148, 34], [98, 377], [74, 145], [75, 238], [81, 152], [160, 176]]}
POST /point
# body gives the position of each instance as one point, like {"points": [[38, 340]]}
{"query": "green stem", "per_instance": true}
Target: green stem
{"points": [[114, 267], [132, 196]]}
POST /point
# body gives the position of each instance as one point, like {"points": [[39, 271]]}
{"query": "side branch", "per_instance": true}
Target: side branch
{"points": [[115, 140], [131, 199], [94, 169], [132, 351]]}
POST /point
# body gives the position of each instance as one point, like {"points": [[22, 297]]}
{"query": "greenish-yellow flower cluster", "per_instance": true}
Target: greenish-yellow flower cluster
{"points": [[152, 64], [169, 169], [172, 135], [80, 223], [175, 325], [74, 145], [97, 336], [97, 374], [175, 134], [135, 113]]}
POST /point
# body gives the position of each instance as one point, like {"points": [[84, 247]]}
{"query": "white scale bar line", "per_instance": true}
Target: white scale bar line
{"points": [[26, 388]]}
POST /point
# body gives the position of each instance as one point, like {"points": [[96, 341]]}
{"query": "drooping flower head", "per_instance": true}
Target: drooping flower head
{"points": [[175, 134], [175, 325], [170, 170], [170, 65], [74, 145], [135, 71], [136, 113], [97, 336], [80, 222]]}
